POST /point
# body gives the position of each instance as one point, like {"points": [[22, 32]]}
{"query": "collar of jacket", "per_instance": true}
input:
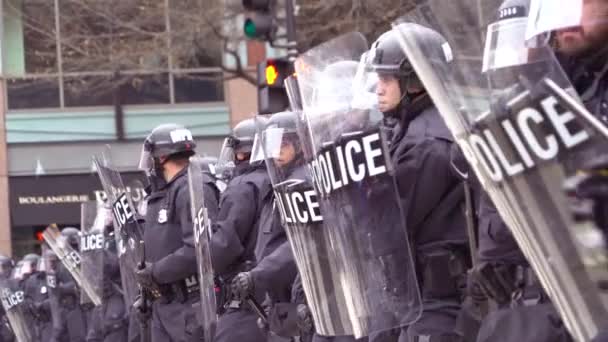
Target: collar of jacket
{"points": [[245, 167], [178, 175], [413, 109]]}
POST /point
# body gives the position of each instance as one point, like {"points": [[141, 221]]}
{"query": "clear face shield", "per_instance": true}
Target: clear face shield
{"points": [[508, 57], [146, 159], [227, 159], [547, 16], [17, 272]]}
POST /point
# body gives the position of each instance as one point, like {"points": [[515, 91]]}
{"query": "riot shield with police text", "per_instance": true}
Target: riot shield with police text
{"points": [[93, 217], [513, 113], [355, 183], [127, 231], [202, 235], [71, 259], [307, 232], [12, 298]]}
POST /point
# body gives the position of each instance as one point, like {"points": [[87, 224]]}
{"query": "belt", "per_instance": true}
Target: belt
{"points": [[180, 291]]}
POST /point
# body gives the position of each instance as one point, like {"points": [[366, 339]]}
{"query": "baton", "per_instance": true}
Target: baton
{"points": [[259, 310]]}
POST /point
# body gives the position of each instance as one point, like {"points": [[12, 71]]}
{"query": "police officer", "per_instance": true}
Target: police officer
{"points": [[506, 293], [431, 196], [276, 269], [585, 50], [6, 268], [109, 321], [69, 321], [234, 236], [169, 273], [37, 300]]}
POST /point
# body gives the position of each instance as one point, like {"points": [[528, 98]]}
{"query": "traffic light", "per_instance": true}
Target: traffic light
{"points": [[272, 97], [260, 24]]}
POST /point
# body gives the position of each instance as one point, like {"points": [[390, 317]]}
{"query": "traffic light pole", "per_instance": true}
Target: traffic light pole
{"points": [[290, 19]]}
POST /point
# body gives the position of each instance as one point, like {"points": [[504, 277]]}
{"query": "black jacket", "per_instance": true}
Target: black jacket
{"points": [[431, 195], [235, 229], [168, 233]]}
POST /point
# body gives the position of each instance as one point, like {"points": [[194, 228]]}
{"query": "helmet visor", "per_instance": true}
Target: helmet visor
{"points": [[146, 160], [506, 46], [226, 160], [546, 16]]}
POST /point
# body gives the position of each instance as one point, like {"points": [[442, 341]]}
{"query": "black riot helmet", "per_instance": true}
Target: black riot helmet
{"points": [[72, 237], [284, 126], [163, 142], [30, 264], [239, 142], [386, 57], [6, 266], [280, 145]]}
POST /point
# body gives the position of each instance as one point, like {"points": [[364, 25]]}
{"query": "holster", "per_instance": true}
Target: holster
{"points": [[176, 292], [443, 272], [509, 284]]}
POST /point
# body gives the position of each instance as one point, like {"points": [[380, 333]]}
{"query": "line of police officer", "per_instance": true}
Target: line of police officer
{"points": [[486, 293]]}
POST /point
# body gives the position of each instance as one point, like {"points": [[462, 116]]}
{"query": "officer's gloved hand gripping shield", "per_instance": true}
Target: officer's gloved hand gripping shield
{"points": [[280, 146], [202, 235], [354, 179], [70, 257], [512, 111], [93, 218], [127, 230]]}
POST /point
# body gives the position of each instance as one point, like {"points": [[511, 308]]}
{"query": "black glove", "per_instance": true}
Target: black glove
{"points": [[242, 285], [144, 276], [141, 309], [305, 322]]}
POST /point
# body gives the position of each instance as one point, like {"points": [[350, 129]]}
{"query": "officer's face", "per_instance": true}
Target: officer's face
{"points": [[388, 92], [287, 154], [241, 156], [591, 35]]}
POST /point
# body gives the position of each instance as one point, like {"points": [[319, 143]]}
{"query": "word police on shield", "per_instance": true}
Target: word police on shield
{"points": [[123, 213]]}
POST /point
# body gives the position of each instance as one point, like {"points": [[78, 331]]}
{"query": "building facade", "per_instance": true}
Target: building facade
{"points": [[75, 84]]}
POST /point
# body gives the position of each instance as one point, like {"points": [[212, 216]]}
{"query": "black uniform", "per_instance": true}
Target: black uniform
{"points": [[70, 322], [233, 247], [432, 198], [37, 300], [169, 243], [109, 321]]}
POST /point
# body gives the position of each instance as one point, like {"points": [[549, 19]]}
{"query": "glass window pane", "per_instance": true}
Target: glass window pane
{"points": [[199, 87], [33, 93], [88, 91], [145, 89]]}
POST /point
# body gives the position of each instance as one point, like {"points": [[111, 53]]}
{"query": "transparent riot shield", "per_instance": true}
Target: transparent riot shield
{"points": [[127, 231], [51, 264], [354, 179], [12, 298], [307, 232], [71, 259], [93, 217], [202, 235], [510, 107]]}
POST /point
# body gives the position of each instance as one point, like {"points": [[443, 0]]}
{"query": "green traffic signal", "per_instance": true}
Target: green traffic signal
{"points": [[250, 29]]}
